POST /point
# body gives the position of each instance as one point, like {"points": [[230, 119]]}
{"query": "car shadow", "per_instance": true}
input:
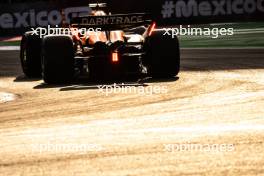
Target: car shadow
{"points": [[87, 84], [158, 80], [23, 78]]}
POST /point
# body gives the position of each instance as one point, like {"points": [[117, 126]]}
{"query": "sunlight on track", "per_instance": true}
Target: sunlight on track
{"points": [[5, 97]]}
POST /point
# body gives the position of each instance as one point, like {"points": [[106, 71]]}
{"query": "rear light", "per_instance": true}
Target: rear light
{"points": [[152, 28], [115, 57]]}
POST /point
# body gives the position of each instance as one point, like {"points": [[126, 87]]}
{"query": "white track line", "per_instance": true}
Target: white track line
{"points": [[9, 48]]}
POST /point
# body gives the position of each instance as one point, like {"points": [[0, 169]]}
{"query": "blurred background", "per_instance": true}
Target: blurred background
{"points": [[246, 17]]}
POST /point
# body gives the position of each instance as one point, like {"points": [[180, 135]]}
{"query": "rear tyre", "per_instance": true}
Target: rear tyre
{"points": [[162, 55], [30, 55], [57, 59]]}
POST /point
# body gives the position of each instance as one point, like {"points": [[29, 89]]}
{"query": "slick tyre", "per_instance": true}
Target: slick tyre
{"points": [[57, 59], [162, 55], [30, 55]]}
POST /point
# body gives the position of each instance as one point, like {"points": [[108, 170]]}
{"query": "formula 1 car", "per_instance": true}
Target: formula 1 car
{"points": [[126, 44]]}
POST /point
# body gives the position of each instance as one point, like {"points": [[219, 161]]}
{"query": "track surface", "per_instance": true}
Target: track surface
{"points": [[218, 99]]}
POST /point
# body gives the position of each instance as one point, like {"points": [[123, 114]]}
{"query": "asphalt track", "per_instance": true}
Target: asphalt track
{"points": [[218, 99]]}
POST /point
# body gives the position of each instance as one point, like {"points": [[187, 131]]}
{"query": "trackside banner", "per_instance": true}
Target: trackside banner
{"points": [[211, 10], [199, 11], [18, 18], [34, 18]]}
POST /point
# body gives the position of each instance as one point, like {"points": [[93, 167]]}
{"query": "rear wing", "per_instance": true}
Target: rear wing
{"points": [[112, 22]]}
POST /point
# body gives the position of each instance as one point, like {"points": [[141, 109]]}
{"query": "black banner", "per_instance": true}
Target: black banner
{"points": [[170, 12], [17, 18], [210, 11]]}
